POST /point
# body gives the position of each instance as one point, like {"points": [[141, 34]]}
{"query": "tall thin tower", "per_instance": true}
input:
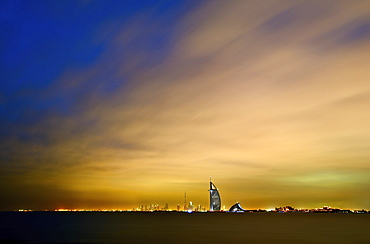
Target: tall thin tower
{"points": [[185, 208], [215, 199]]}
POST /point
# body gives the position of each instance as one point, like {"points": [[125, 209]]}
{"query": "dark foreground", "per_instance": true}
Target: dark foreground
{"points": [[126, 227]]}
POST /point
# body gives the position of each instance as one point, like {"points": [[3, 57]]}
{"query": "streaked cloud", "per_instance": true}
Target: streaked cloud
{"points": [[269, 98]]}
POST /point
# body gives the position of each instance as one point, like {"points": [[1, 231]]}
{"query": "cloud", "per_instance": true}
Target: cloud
{"points": [[234, 90]]}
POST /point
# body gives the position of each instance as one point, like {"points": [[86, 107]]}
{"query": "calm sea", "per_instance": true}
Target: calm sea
{"points": [[172, 227]]}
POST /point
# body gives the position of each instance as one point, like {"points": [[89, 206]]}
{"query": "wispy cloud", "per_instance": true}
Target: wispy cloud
{"points": [[231, 89]]}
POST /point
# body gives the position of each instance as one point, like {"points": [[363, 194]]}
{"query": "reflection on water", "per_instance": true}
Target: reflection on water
{"points": [[172, 227]]}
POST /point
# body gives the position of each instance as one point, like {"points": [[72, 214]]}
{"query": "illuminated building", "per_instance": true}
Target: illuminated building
{"points": [[190, 207], [236, 208], [215, 199]]}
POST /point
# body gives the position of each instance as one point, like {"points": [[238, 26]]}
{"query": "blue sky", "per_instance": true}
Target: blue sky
{"points": [[43, 39]]}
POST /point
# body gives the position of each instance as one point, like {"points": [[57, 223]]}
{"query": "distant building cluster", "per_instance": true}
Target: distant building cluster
{"points": [[325, 209], [151, 207], [155, 207]]}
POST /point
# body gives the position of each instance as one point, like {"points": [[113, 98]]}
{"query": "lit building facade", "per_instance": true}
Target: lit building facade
{"points": [[236, 208], [215, 199]]}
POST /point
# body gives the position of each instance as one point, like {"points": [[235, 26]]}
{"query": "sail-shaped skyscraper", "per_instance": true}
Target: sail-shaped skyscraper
{"points": [[215, 199]]}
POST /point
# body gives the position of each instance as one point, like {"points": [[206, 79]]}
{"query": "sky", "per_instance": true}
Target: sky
{"points": [[116, 104]]}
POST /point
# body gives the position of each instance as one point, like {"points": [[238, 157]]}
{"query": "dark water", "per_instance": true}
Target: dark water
{"points": [[126, 227]]}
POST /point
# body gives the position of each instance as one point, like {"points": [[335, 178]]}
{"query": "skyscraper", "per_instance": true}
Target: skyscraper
{"points": [[215, 199]]}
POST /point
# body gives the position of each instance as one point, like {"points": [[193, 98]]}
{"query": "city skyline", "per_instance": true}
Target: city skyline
{"points": [[109, 105], [214, 206]]}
